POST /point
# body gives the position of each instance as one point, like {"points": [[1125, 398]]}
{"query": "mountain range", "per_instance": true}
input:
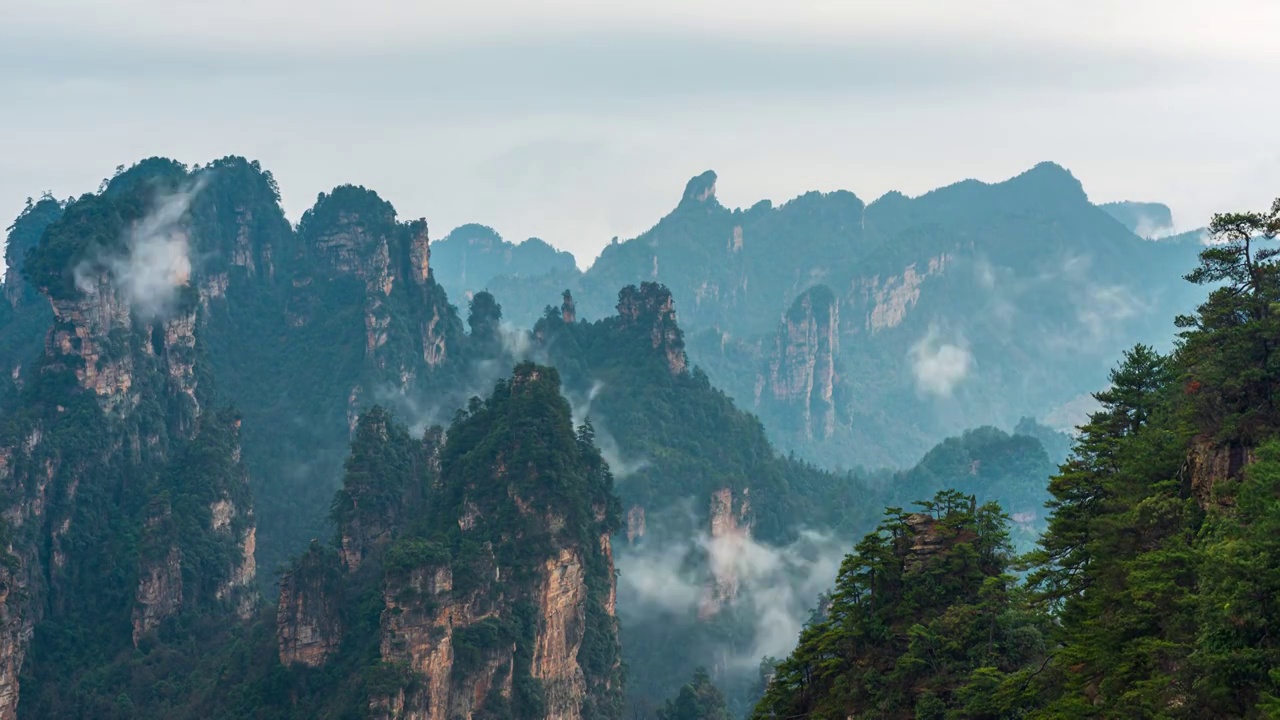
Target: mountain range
{"points": [[199, 394], [863, 334]]}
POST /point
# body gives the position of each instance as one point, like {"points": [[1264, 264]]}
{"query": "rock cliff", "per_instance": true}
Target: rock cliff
{"points": [[650, 308], [800, 371], [309, 627], [495, 577], [729, 534], [126, 502], [1210, 463]]}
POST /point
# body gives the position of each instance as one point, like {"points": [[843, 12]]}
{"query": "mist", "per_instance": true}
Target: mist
{"points": [[939, 365], [156, 261], [777, 586]]}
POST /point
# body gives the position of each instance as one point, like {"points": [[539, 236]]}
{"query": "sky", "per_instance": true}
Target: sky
{"points": [[579, 120]]}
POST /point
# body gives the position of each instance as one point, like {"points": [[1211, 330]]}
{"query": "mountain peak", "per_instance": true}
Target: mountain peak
{"points": [[1048, 179], [700, 189]]}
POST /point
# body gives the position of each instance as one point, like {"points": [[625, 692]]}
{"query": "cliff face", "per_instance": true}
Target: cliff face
{"points": [[481, 628], [113, 451], [83, 333], [801, 369], [309, 626], [497, 586], [1210, 463], [651, 309], [729, 516], [159, 594]]}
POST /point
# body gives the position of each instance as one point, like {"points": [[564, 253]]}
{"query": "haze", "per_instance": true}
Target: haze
{"points": [[577, 121]]}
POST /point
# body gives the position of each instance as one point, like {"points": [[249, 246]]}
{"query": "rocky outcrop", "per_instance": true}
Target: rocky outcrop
{"points": [[801, 369], [83, 334], [729, 518], [562, 597], [1210, 463], [16, 627], [424, 623], [159, 593], [419, 253], [180, 361], [651, 310], [308, 624], [888, 300], [700, 190], [568, 313], [459, 643], [498, 616]]}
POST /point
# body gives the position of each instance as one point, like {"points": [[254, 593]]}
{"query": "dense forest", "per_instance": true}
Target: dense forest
{"points": [[1152, 592], [252, 469]]}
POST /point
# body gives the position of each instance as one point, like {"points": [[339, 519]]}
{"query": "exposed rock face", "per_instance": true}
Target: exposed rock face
{"points": [[888, 301], [15, 635], [17, 623], [635, 523], [563, 599], [419, 253], [470, 627], [926, 541], [159, 593], [420, 635], [308, 625], [568, 312], [82, 330], [801, 369], [180, 360], [427, 618], [730, 532], [1210, 463], [651, 308]]}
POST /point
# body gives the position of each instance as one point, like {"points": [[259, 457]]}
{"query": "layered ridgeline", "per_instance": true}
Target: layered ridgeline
{"points": [[1154, 590], [863, 334], [140, 311], [726, 544]]}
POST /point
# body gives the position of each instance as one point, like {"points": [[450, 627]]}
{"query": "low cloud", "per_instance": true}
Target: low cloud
{"points": [[776, 586], [156, 261], [1101, 308], [939, 365], [619, 464], [1073, 413]]}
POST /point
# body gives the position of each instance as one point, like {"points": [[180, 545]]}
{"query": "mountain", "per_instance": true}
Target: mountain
{"points": [[190, 398], [472, 568], [1153, 590], [126, 501], [975, 304], [469, 256]]}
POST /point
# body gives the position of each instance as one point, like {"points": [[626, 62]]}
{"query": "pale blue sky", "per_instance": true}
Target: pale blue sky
{"points": [[577, 120]]}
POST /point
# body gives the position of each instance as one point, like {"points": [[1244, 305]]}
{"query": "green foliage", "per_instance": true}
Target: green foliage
{"points": [[700, 699], [924, 621]]}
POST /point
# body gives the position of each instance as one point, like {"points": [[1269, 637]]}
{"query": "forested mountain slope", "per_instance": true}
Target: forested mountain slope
{"points": [[1152, 593], [185, 374]]}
